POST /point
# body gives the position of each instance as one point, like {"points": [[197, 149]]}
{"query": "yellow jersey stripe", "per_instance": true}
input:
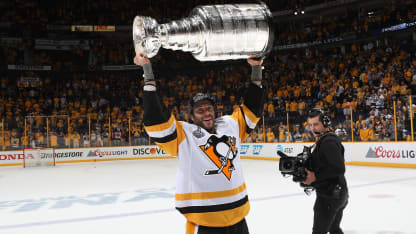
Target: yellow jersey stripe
{"points": [[171, 147], [190, 228], [242, 126], [162, 126], [251, 116], [210, 195]]}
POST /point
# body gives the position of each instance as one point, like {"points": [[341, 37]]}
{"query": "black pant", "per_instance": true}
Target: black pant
{"points": [[238, 228], [328, 210]]}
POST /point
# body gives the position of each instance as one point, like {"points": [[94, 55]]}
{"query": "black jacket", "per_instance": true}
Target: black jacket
{"points": [[327, 161]]}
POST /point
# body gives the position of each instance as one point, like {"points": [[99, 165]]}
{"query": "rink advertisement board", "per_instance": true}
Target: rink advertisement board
{"points": [[382, 153], [366, 153], [15, 158], [269, 150]]}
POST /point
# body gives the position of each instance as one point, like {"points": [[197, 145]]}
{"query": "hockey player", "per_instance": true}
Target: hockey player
{"points": [[210, 188]]}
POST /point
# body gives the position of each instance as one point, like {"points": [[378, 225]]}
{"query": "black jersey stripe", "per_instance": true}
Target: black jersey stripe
{"points": [[248, 129], [214, 208], [165, 139]]}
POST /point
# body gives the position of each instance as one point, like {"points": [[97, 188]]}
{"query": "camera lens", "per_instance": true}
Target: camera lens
{"points": [[287, 165]]}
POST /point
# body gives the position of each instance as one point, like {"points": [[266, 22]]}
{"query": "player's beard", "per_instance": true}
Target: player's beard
{"points": [[206, 123], [209, 125]]}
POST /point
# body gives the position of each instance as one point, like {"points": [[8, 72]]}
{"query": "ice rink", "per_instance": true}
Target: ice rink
{"points": [[127, 197]]}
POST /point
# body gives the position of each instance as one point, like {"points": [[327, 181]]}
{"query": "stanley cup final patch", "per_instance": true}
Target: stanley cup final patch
{"points": [[221, 151], [198, 133]]}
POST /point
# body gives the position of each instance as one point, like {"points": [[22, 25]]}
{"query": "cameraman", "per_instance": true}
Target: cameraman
{"points": [[326, 175]]}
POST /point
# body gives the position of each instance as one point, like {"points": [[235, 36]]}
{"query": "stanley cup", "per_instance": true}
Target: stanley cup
{"points": [[213, 32]]}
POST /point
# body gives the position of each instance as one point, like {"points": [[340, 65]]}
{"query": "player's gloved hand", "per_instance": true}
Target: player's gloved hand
{"points": [[255, 69], [144, 61]]}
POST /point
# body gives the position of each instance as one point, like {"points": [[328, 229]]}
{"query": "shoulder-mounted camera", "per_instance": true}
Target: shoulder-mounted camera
{"points": [[295, 165]]}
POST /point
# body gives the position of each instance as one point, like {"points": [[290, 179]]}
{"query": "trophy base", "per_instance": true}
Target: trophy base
{"points": [[145, 36]]}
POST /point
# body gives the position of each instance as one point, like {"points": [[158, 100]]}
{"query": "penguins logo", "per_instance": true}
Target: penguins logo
{"points": [[222, 152]]}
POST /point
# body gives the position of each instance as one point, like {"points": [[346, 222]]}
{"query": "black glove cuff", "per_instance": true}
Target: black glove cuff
{"points": [[148, 72], [256, 73]]}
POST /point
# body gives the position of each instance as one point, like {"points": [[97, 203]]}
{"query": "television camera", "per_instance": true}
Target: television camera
{"points": [[295, 166]]}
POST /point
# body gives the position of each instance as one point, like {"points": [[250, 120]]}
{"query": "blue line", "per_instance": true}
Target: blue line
{"points": [[94, 218]]}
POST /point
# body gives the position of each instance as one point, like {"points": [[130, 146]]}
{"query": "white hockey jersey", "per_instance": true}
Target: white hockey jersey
{"points": [[210, 187]]}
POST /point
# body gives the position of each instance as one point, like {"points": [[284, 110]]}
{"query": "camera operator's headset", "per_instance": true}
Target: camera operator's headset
{"points": [[325, 120]]}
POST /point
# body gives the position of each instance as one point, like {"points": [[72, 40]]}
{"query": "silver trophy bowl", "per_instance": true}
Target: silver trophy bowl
{"points": [[210, 33]]}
